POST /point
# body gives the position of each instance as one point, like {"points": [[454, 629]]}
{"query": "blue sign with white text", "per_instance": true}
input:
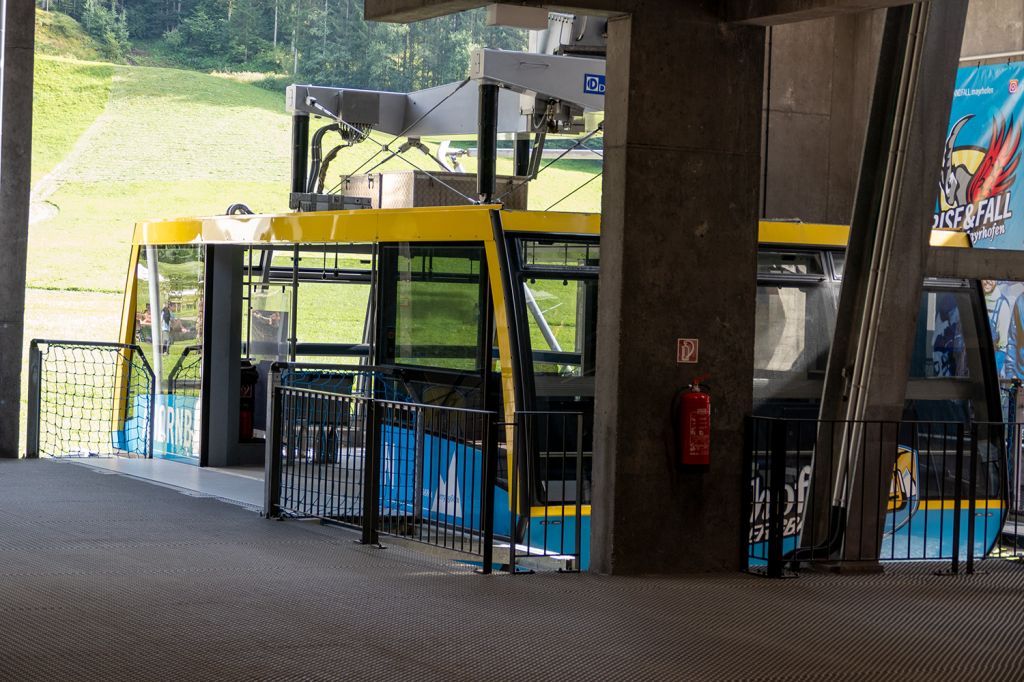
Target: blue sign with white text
{"points": [[593, 83]]}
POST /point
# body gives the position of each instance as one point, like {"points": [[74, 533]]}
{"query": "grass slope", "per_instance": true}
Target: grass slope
{"points": [[68, 97], [59, 35]]}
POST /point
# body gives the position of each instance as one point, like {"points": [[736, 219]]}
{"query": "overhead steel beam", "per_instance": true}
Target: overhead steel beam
{"points": [[948, 261]]}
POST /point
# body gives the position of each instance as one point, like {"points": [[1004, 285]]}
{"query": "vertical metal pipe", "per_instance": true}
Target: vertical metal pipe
{"points": [[156, 319], [272, 479], [300, 152], [487, 142], [370, 466], [293, 343]]}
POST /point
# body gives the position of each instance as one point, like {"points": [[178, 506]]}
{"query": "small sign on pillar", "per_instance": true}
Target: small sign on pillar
{"points": [[687, 351]]}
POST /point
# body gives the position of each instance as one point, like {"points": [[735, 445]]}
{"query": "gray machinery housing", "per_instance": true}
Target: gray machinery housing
{"points": [[550, 89]]}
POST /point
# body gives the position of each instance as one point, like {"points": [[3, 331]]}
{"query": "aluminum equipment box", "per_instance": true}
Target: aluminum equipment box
{"points": [[415, 189]]}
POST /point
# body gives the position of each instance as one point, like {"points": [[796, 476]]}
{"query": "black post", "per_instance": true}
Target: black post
{"points": [[35, 375], [1013, 449], [300, 152], [371, 466], [776, 498], [521, 158], [513, 491], [490, 478], [272, 466], [746, 493], [151, 431], [579, 491], [958, 482], [487, 142], [972, 495]]}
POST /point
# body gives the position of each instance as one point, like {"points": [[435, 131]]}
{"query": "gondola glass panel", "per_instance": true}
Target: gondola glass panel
{"points": [[168, 326]]}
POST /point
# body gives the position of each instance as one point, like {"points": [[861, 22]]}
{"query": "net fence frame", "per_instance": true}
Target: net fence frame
{"points": [[82, 399]]}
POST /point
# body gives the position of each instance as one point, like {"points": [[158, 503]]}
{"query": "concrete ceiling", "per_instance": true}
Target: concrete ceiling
{"points": [[744, 11]]}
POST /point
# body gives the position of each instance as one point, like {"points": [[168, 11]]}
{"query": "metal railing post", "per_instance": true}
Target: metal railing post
{"points": [[490, 477], [35, 375], [1015, 421], [579, 492], [958, 481], [746, 493], [151, 431], [513, 492], [371, 467], [776, 497], [272, 465], [972, 495]]}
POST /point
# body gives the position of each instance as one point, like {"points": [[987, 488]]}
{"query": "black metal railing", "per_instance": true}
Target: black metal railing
{"points": [[89, 399], [876, 491], [421, 472], [437, 475], [316, 450], [549, 483]]}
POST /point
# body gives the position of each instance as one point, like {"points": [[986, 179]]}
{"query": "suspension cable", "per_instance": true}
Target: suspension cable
{"points": [[515, 187], [387, 147], [592, 178]]}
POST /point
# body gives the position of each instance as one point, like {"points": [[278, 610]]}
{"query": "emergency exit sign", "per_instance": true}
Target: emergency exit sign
{"points": [[687, 351]]}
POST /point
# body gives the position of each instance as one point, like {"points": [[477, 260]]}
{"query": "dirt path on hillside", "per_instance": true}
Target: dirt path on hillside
{"points": [[41, 208]]}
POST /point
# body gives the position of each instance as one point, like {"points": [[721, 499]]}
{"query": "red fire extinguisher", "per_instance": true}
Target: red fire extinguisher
{"points": [[693, 425]]}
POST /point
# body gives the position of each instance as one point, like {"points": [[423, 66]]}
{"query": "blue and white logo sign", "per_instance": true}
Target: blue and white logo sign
{"points": [[593, 83]]}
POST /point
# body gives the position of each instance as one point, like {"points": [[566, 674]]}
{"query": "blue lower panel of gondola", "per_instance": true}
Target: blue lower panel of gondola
{"points": [[928, 535]]}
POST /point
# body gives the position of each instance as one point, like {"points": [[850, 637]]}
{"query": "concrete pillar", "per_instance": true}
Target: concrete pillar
{"points": [[678, 243], [870, 357], [15, 178]]}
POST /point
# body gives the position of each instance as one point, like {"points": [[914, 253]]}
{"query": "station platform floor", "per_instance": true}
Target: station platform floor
{"points": [[108, 577], [238, 485]]}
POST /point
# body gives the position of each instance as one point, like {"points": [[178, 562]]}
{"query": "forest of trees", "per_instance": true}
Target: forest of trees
{"points": [[322, 41]]}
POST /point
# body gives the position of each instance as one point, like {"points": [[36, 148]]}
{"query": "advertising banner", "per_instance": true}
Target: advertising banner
{"points": [[981, 189], [978, 188]]}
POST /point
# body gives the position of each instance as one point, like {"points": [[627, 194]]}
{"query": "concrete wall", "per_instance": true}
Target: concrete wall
{"points": [[993, 26], [820, 78], [817, 106]]}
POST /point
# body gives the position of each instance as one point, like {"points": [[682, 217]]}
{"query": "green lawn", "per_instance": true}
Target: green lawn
{"points": [[59, 35], [68, 97]]}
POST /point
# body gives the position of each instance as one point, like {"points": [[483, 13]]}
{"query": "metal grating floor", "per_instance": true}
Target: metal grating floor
{"points": [[107, 577]]}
